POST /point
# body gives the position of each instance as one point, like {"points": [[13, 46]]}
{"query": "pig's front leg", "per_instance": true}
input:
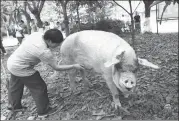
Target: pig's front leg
{"points": [[72, 78], [115, 94], [114, 91]]}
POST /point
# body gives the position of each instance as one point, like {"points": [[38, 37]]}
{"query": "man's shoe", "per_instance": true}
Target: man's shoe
{"points": [[48, 112], [17, 109]]}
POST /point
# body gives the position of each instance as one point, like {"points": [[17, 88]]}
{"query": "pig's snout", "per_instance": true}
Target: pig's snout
{"points": [[129, 85]]}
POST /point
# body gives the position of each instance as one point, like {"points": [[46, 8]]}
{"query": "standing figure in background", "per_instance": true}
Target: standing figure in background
{"points": [[2, 49], [20, 29], [137, 22], [51, 24], [46, 26], [33, 26], [58, 26]]}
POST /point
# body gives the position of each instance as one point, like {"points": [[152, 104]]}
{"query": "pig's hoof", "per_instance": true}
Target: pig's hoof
{"points": [[126, 95], [73, 88], [118, 107], [125, 110], [87, 85]]}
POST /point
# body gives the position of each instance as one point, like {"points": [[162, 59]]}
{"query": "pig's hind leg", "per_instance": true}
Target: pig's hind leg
{"points": [[86, 82], [68, 60], [72, 79]]}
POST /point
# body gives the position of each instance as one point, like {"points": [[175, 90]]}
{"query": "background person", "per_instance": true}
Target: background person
{"points": [[137, 22], [3, 33], [33, 26], [46, 26], [58, 26]]}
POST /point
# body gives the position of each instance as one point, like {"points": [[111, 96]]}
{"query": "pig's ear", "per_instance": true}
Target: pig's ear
{"points": [[115, 60], [145, 62]]}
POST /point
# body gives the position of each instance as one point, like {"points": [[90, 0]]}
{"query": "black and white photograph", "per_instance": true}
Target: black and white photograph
{"points": [[89, 60]]}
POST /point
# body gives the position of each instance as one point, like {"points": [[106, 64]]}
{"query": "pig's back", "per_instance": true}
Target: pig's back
{"points": [[91, 48]]}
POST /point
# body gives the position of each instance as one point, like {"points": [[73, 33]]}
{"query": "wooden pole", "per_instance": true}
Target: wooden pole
{"points": [[156, 19]]}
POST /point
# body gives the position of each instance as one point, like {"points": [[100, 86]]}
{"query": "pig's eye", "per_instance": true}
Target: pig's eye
{"points": [[126, 81], [132, 82]]}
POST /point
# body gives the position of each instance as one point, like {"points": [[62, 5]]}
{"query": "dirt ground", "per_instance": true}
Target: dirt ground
{"points": [[156, 96]]}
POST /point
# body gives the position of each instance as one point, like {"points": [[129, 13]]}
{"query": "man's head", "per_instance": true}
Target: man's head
{"points": [[53, 38]]}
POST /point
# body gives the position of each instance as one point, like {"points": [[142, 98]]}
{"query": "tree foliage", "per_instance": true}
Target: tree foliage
{"points": [[35, 8], [132, 19], [15, 10], [6, 10], [63, 4]]}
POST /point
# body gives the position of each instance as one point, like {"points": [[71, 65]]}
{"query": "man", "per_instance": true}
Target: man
{"points": [[36, 47], [137, 22]]}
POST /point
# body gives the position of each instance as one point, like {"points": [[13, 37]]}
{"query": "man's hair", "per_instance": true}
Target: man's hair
{"points": [[54, 35]]}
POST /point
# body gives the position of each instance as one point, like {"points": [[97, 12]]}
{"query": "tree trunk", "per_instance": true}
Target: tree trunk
{"points": [[132, 31], [36, 10], [28, 27], [132, 25], [28, 18], [147, 10], [146, 24], [19, 16], [77, 10], [66, 22], [39, 21]]}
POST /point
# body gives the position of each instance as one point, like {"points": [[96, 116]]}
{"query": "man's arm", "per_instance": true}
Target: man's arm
{"points": [[55, 66], [48, 58]]}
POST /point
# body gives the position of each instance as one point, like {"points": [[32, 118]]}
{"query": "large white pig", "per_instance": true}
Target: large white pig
{"points": [[107, 54]]}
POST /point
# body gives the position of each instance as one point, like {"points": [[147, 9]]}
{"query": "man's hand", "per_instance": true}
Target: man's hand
{"points": [[78, 66]]}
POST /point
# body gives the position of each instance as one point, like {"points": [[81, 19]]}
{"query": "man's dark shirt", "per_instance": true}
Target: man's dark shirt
{"points": [[137, 18]]}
